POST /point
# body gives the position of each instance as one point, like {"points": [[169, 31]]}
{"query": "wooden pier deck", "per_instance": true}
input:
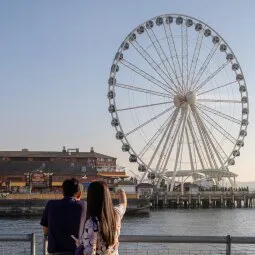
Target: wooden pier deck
{"points": [[204, 199]]}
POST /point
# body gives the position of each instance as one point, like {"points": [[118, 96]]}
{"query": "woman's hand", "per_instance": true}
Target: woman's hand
{"points": [[122, 196], [119, 191], [77, 241]]}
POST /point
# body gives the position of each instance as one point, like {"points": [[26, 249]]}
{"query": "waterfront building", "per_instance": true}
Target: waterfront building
{"points": [[44, 171]]}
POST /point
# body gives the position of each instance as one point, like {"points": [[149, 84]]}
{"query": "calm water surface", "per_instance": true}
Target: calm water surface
{"points": [[236, 222]]}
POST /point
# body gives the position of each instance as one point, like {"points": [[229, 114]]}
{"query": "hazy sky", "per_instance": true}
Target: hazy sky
{"points": [[55, 58]]}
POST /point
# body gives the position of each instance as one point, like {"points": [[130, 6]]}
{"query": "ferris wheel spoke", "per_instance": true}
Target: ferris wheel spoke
{"points": [[161, 140], [210, 137], [154, 65], [209, 142], [224, 156], [170, 35], [217, 127], [165, 145], [219, 87], [179, 145], [147, 76], [186, 54], [173, 68], [203, 138], [142, 90], [170, 149], [182, 60], [161, 53], [201, 85], [193, 65], [220, 101], [148, 121], [194, 153], [195, 142], [154, 137], [171, 146], [189, 149], [204, 65], [218, 113], [181, 151], [142, 106]]}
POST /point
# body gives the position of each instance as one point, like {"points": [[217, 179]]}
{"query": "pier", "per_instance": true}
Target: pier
{"points": [[33, 204], [203, 199]]}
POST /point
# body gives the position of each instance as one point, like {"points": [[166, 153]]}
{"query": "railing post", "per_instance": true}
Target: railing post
{"points": [[228, 245], [45, 245], [33, 244]]}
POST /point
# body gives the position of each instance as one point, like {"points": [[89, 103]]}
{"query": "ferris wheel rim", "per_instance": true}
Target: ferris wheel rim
{"points": [[115, 114]]}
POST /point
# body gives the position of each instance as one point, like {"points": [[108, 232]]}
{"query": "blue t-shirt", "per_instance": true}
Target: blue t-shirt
{"points": [[62, 217]]}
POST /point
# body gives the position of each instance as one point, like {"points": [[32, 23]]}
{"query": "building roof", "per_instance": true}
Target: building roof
{"points": [[20, 167], [53, 154]]}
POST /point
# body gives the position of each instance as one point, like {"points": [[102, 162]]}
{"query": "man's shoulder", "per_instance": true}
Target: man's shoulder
{"points": [[82, 203], [62, 202], [53, 202]]}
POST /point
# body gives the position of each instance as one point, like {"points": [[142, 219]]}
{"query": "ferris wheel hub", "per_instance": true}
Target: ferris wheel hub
{"points": [[189, 98]]}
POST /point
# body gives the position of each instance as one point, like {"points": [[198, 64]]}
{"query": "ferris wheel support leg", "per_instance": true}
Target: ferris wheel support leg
{"points": [[170, 149], [155, 152], [232, 183], [167, 186], [183, 121], [193, 110], [210, 143], [159, 171], [195, 143], [182, 187]]}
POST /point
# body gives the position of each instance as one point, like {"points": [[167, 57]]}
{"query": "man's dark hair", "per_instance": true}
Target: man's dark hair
{"points": [[70, 187]]}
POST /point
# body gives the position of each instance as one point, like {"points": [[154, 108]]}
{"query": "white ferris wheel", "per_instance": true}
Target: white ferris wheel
{"points": [[178, 101]]}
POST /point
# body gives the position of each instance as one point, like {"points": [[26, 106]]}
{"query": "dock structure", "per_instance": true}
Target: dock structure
{"points": [[204, 199]]}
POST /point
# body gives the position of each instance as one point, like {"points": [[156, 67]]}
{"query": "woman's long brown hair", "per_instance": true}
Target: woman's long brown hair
{"points": [[99, 204]]}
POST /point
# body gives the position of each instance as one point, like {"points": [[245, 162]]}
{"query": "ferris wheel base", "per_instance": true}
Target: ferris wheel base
{"points": [[213, 173], [216, 176]]}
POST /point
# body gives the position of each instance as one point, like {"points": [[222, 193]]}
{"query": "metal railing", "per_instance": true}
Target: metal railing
{"points": [[153, 239], [227, 240], [7, 238]]}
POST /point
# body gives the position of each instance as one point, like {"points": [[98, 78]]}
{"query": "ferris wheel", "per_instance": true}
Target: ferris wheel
{"points": [[178, 101]]}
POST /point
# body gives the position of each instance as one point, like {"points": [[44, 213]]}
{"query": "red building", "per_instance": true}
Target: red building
{"points": [[43, 171]]}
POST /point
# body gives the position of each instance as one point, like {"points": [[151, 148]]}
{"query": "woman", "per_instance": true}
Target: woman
{"points": [[103, 221]]}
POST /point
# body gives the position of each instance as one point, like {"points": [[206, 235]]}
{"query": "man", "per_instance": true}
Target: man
{"points": [[61, 219]]}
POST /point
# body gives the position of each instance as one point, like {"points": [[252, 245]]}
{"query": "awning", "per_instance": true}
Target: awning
{"points": [[57, 184], [113, 175], [17, 184]]}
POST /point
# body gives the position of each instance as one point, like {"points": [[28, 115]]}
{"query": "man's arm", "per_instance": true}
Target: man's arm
{"points": [[45, 230], [44, 220]]}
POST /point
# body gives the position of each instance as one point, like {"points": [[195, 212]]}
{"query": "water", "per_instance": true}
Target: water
{"points": [[218, 222]]}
